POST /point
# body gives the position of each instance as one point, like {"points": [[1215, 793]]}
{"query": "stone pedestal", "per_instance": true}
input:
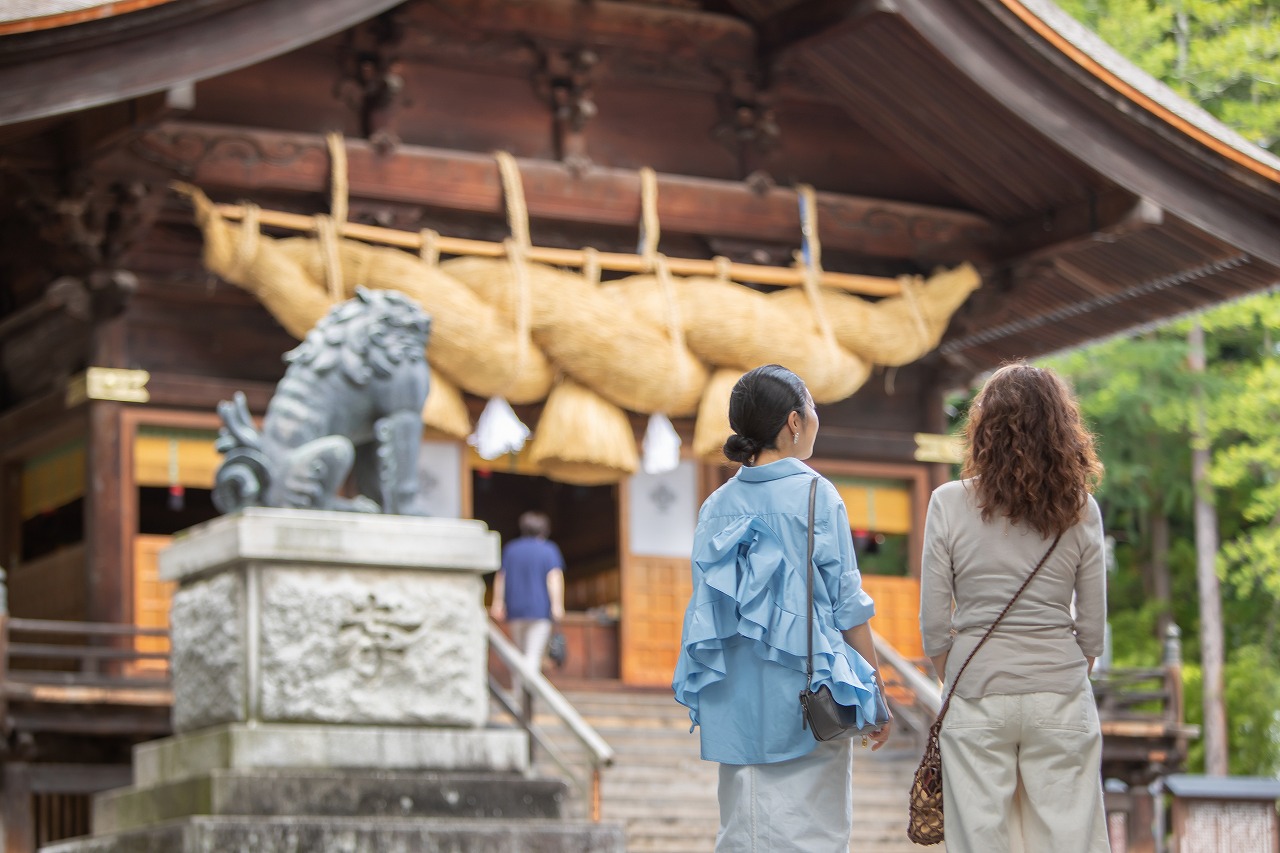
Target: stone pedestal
{"points": [[323, 617], [330, 675]]}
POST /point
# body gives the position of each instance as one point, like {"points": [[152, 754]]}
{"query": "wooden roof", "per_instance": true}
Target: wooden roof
{"points": [[1093, 198]]}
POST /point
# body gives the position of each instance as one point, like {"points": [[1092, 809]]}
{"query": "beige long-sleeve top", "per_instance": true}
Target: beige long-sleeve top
{"points": [[1041, 645]]}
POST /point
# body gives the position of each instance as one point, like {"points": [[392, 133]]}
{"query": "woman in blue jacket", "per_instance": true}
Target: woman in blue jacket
{"points": [[742, 657]]}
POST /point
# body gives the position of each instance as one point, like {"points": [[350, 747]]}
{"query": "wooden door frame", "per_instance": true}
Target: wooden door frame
{"points": [[918, 477], [131, 419]]}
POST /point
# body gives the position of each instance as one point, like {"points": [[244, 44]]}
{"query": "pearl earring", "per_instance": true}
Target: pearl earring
{"points": [[795, 438]]}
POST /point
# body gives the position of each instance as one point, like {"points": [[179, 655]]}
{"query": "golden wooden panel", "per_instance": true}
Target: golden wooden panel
{"points": [[184, 458], [897, 616], [655, 592], [151, 597]]}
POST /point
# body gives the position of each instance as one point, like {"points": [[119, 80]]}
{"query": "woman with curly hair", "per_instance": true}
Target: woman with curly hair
{"points": [[1021, 746]]}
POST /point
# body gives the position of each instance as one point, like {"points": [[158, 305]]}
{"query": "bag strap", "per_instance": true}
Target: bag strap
{"points": [[808, 668], [947, 704]]}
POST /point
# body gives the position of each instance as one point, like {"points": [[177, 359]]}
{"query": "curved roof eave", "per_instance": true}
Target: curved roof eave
{"points": [[1116, 129], [31, 15], [1082, 46], [143, 60]]}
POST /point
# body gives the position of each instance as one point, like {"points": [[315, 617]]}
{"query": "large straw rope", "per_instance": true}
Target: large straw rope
{"points": [[647, 343]]}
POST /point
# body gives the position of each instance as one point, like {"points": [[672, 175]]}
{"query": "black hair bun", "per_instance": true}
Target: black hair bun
{"points": [[739, 448]]}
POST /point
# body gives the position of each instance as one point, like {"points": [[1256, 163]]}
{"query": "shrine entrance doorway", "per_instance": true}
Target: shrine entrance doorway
{"points": [[585, 526]]}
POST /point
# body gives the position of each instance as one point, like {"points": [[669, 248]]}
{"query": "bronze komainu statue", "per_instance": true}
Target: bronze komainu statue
{"points": [[351, 396]]}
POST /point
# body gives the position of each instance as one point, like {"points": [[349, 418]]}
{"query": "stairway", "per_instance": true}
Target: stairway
{"points": [[665, 795]]}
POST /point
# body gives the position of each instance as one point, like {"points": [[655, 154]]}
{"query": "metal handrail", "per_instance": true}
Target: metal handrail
{"points": [[927, 691], [600, 753]]}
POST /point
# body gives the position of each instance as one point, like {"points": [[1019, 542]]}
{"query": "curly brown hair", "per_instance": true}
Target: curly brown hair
{"points": [[1030, 454]]}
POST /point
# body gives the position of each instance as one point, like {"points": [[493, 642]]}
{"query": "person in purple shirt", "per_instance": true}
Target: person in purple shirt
{"points": [[528, 591]]}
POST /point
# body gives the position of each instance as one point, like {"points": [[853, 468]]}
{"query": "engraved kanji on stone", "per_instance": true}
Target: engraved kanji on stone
{"points": [[376, 633]]}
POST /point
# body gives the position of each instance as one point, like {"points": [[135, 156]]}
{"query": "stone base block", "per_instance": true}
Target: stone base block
{"points": [[352, 793], [354, 835], [240, 746]]}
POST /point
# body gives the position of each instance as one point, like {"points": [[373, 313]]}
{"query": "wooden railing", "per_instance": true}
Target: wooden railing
{"points": [[80, 677]]}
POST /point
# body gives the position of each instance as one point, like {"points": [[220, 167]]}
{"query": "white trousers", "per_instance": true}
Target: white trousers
{"points": [[804, 805], [1021, 773], [531, 637]]}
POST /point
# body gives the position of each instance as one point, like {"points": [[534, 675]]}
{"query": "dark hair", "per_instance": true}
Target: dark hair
{"points": [[759, 406], [1030, 452], [535, 524]]}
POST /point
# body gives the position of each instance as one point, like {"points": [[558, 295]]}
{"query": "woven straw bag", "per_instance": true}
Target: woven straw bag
{"points": [[925, 824]]}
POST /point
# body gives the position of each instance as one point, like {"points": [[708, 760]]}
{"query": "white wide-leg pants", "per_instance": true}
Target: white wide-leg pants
{"points": [[1021, 773], [804, 805]]}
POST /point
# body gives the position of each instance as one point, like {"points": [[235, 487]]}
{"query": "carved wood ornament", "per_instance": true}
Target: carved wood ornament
{"points": [[373, 83]]}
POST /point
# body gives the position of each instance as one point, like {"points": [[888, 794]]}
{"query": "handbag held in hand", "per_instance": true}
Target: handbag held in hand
{"points": [[924, 824], [822, 714]]}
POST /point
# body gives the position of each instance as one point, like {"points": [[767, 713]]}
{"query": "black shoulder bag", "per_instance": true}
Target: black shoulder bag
{"points": [[822, 714]]}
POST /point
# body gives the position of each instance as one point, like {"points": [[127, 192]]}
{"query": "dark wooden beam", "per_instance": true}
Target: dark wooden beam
{"points": [[202, 393], [236, 161], [110, 564], [790, 27], [39, 425], [702, 37], [142, 723], [42, 76], [1100, 219]]}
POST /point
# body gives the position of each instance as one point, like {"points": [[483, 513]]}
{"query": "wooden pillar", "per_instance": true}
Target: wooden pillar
{"points": [[19, 829], [106, 541], [1141, 817], [11, 517]]}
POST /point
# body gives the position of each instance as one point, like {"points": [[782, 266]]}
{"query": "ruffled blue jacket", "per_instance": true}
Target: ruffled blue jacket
{"points": [[742, 654]]}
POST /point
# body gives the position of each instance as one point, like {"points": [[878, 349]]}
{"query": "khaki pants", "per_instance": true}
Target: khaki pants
{"points": [[531, 636], [1022, 773]]}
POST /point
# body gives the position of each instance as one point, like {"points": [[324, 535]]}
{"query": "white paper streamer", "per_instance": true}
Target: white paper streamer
{"points": [[661, 446], [498, 431]]}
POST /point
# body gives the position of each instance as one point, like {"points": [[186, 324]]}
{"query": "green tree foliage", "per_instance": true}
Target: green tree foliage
{"points": [[1135, 394], [1223, 55]]}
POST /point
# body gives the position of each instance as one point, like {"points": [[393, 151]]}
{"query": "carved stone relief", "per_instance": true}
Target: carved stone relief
{"points": [[372, 647], [209, 655]]}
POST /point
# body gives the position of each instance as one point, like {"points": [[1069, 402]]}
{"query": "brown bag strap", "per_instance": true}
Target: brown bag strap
{"points": [[808, 668], [947, 704]]}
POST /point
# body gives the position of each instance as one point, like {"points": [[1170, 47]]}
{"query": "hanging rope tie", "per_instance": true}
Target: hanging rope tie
{"points": [[591, 266], [513, 194], [429, 250], [329, 228], [657, 262], [724, 266], [247, 245], [499, 431], [517, 249], [661, 442], [810, 260], [338, 188], [327, 231]]}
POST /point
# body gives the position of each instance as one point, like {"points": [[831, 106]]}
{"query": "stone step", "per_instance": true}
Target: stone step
{"points": [[346, 793], [664, 794], [355, 835]]}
